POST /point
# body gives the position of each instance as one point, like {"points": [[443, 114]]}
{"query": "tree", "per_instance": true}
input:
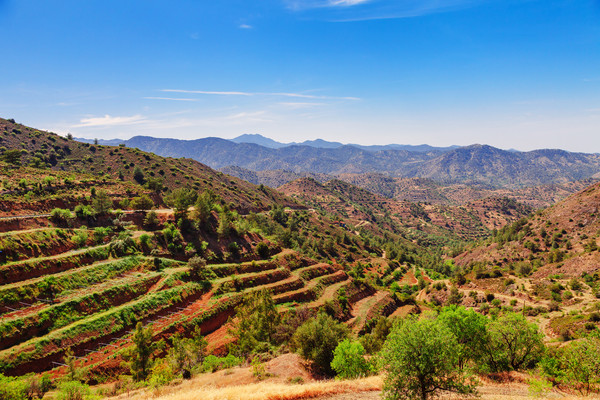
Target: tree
{"points": [[373, 341], [142, 202], [513, 343], [73, 372], [102, 203], [257, 320], [262, 249], [349, 360], [155, 184], [420, 359], [181, 199], [198, 269], [317, 339], [187, 353], [151, 220], [141, 361], [581, 364], [469, 328], [138, 175], [122, 244], [204, 207], [12, 156]]}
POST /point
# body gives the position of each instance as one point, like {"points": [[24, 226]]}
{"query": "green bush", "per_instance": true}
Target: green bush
{"points": [[73, 390], [213, 363], [349, 360], [60, 215], [12, 388]]}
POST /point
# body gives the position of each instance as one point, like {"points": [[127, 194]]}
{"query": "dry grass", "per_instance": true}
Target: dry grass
{"points": [[262, 390]]}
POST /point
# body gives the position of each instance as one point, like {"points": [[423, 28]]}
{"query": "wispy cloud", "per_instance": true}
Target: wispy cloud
{"points": [[275, 94], [300, 105], [360, 10], [108, 120], [245, 26], [169, 98]]}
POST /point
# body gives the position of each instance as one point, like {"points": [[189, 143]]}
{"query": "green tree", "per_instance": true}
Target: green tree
{"points": [[420, 359], [102, 203], [198, 269], [581, 364], [373, 341], [316, 340], [349, 360], [469, 328], [204, 206], [142, 202], [513, 343], [262, 249], [257, 320], [185, 354], [181, 199], [155, 184], [138, 175], [151, 220], [12, 157], [141, 357]]}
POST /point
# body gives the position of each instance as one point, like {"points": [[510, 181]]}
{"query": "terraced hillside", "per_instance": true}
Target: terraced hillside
{"points": [[58, 295]]}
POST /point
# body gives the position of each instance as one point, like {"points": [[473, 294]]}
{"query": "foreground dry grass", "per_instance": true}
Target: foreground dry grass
{"points": [[239, 384], [359, 389], [263, 390]]}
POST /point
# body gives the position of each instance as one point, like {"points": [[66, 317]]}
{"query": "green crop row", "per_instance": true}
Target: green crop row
{"points": [[223, 270], [113, 321], [14, 331], [22, 245], [34, 268], [59, 284]]}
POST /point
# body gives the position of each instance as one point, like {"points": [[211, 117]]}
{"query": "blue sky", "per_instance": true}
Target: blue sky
{"points": [[513, 74]]}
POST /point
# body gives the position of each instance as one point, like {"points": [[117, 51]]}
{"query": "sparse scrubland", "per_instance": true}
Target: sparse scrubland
{"points": [[117, 279]]}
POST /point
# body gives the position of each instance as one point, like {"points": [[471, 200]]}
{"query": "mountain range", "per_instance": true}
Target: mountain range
{"points": [[475, 164]]}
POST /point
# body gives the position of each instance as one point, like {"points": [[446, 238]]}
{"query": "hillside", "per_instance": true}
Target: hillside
{"points": [[562, 239], [48, 150], [82, 280], [360, 207], [421, 189], [476, 164]]}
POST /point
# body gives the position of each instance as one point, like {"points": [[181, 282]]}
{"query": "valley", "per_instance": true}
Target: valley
{"points": [[95, 256]]}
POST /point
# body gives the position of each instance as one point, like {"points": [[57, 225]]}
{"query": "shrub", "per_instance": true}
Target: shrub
{"points": [[349, 360], [262, 249], [60, 215], [213, 363], [317, 339], [72, 390], [141, 203]]}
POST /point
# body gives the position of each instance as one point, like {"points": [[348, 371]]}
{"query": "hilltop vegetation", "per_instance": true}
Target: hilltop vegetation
{"points": [[47, 150]]}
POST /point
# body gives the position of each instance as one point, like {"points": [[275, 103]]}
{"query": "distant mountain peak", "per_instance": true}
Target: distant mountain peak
{"points": [[255, 138]]}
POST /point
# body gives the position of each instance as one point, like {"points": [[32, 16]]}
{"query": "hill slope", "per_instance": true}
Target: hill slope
{"points": [[49, 150]]}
